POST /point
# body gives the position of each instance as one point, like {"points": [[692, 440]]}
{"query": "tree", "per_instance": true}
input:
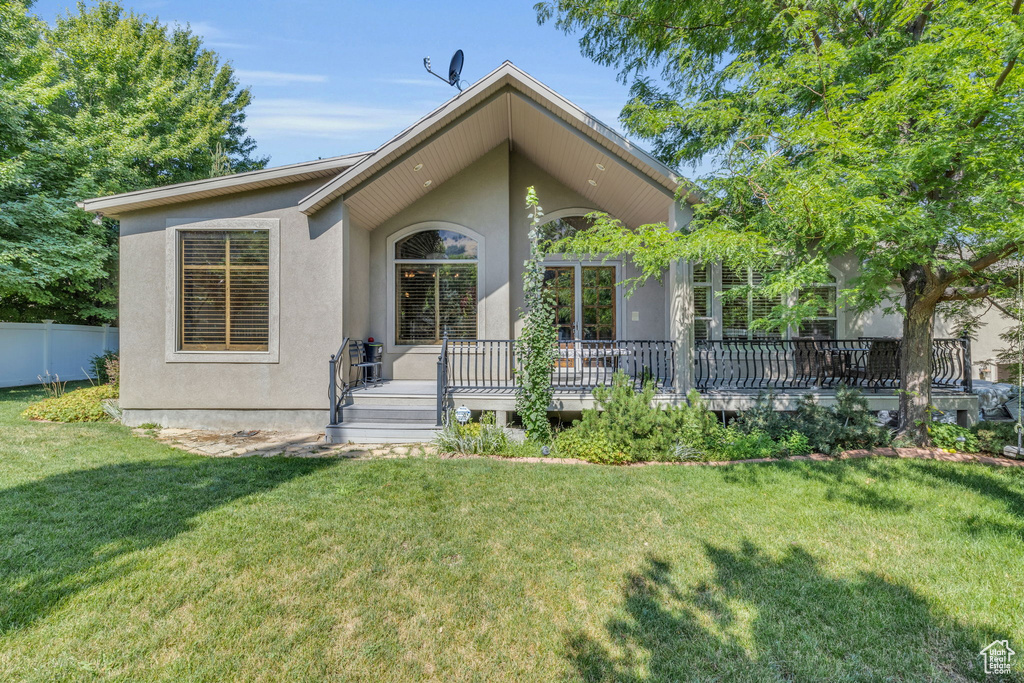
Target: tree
{"points": [[886, 130], [105, 101]]}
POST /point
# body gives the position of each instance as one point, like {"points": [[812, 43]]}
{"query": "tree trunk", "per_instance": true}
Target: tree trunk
{"points": [[916, 360]]}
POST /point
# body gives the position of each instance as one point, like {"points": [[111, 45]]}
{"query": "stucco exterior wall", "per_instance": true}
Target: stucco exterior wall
{"points": [[648, 303], [310, 320], [477, 199]]}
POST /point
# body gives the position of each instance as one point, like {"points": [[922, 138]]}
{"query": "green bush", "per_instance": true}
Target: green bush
{"points": [[993, 436], [473, 438], [80, 405], [630, 424], [740, 445], [590, 446], [825, 429], [953, 437], [106, 367]]}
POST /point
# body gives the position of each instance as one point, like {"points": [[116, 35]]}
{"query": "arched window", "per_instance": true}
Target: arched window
{"points": [[567, 226], [435, 287]]}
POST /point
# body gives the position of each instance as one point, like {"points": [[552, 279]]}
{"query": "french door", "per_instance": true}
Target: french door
{"points": [[585, 301]]}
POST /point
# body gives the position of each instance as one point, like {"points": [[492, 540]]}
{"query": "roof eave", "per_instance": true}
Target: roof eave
{"points": [[114, 205]]}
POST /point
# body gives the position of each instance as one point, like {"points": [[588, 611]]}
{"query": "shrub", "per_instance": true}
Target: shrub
{"points": [[628, 421], [590, 446], [740, 445], [795, 443], [953, 437], [473, 438], [993, 436], [113, 367], [825, 429], [106, 367], [80, 405]]}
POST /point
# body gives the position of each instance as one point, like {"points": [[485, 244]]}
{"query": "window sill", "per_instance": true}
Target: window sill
{"points": [[222, 357], [434, 349]]}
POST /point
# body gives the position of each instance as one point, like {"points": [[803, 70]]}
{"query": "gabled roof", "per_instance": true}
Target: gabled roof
{"points": [[115, 205], [506, 104]]}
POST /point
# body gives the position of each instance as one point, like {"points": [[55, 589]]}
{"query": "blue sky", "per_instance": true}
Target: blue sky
{"points": [[330, 78]]}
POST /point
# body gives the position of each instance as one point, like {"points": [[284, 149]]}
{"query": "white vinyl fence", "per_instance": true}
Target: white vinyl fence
{"points": [[31, 350]]}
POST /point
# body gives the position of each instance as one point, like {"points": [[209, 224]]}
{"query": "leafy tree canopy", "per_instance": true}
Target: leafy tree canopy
{"points": [[888, 130], [104, 101]]}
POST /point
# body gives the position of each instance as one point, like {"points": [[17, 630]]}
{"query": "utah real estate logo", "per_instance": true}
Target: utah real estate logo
{"points": [[997, 657]]}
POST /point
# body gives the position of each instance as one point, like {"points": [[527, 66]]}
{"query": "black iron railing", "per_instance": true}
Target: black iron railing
{"points": [[870, 363], [490, 366], [344, 375]]}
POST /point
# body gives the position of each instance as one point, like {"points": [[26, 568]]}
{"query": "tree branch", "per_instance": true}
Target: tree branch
{"points": [[965, 293], [916, 27], [978, 291], [982, 262], [1003, 309], [863, 21], [1005, 72]]}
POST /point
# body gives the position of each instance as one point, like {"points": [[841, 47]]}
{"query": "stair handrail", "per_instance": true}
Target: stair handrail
{"points": [[333, 394], [442, 381]]}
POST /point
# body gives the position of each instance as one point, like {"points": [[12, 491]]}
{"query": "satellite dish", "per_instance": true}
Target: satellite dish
{"points": [[454, 69]]}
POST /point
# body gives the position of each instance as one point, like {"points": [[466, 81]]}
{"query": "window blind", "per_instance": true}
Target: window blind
{"points": [[738, 312], [435, 300], [225, 290]]}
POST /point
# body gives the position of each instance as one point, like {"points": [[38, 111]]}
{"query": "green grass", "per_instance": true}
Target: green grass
{"points": [[123, 559]]}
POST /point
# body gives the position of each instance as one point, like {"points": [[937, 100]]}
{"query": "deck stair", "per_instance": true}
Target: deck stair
{"points": [[370, 423]]}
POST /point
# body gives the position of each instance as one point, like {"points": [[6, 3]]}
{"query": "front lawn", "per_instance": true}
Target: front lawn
{"points": [[124, 559]]}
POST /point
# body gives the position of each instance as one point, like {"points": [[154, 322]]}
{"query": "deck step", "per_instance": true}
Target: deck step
{"points": [[371, 423], [367, 432], [375, 414]]}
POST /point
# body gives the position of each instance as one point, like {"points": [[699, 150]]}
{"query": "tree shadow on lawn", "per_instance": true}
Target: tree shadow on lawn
{"points": [[776, 618], [61, 534], [860, 482], [1004, 486]]}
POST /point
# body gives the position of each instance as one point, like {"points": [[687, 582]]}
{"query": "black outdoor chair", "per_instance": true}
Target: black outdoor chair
{"points": [[882, 366], [365, 365]]}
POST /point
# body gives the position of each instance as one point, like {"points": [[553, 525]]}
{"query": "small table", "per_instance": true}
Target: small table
{"points": [[372, 354]]}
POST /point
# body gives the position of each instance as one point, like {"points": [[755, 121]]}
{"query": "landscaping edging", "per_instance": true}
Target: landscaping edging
{"points": [[906, 453]]}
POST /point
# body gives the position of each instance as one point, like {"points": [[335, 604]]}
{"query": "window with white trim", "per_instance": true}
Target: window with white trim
{"points": [[825, 324], [703, 303], [435, 287], [739, 312]]}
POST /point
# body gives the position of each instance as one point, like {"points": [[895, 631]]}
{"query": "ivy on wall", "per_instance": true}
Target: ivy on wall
{"points": [[537, 345]]}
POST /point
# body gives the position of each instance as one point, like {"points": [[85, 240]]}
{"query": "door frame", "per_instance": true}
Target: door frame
{"points": [[561, 262]]}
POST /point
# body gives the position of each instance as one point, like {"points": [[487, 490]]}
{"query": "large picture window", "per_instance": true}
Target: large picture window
{"points": [[725, 305], [435, 287], [224, 289], [740, 311]]}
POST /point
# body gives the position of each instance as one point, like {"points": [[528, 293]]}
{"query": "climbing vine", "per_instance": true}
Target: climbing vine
{"points": [[537, 346]]}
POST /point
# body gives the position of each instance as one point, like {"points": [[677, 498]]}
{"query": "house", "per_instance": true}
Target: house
{"points": [[246, 300]]}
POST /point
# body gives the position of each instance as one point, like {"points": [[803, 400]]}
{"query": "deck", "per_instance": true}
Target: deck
{"points": [[729, 374], [423, 393]]}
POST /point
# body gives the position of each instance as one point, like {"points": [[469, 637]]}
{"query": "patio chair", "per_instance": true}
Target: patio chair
{"points": [[882, 366], [813, 363], [365, 365]]}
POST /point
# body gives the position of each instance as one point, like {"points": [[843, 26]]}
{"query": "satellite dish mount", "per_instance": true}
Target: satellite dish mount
{"points": [[454, 70]]}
